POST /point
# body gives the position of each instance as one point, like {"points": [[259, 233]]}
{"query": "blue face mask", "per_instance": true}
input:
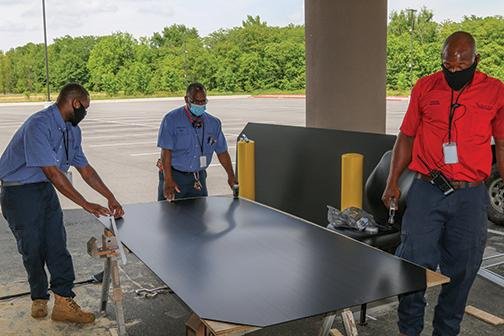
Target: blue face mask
{"points": [[197, 110]]}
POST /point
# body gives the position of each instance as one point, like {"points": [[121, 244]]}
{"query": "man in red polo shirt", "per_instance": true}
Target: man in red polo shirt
{"points": [[446, 138]]}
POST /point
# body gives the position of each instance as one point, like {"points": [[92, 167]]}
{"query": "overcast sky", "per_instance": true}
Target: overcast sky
{"points": [[21, 20]]}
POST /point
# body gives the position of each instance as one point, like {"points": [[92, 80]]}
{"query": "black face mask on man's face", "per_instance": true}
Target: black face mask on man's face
{"points": [[456, 80], [79, 114]]}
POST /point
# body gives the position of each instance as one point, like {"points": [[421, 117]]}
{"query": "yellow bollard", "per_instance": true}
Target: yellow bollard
{"points": [[351, 180], [246, 168]]}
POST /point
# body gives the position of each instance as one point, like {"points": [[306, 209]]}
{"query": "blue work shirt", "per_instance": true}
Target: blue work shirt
{"points": [[43, 140], [188, 143]]}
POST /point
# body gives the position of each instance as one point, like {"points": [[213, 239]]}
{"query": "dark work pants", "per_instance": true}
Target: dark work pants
{"points": [[35, 218], [449, 232], [185, 181]]}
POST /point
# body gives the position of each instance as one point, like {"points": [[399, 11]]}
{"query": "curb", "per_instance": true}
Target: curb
{"points": [[128, 100], [398, 98], [391, 98], [280, 96]]}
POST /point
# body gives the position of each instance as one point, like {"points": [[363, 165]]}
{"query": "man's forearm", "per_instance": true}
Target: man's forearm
{"points": [[63, 185], [401, 157], [166, 163], [225, 161], [92, 178]]}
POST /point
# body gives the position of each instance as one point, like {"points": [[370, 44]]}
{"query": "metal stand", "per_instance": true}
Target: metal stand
{"points": [[362, 319], [109, 251], [490, 275]]}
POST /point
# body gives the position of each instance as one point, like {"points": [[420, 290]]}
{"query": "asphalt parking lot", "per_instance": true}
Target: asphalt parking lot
{"points": [[120, 137]]}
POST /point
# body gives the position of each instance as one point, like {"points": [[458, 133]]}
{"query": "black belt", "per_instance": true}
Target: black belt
{"points": [[455, 184], [183, 172], [10, 184]]}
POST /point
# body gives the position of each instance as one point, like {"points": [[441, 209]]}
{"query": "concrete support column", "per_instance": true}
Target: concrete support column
{"points": [[346, 46]]}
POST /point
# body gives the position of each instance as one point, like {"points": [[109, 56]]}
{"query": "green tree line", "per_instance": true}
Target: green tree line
{"points": [[422, 49], [252, 57]]}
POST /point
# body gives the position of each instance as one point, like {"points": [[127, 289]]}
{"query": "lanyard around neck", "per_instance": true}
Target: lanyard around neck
{"points": [[65, 142], [453, 107], [193, 121]]}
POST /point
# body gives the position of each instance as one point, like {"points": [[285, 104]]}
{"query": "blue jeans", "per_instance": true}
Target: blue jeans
{"points": [[35, 218], [449, 232], [185, 181]]}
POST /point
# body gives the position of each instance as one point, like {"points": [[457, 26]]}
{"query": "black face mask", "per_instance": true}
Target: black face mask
{"points": [[456, 80], [79, 114]]}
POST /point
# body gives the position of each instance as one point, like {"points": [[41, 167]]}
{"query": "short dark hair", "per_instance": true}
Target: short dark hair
{"points": [[193, 87], [71, 91]]}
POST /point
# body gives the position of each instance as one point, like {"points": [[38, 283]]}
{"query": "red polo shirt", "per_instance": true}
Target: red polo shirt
{"points": [[479, 116]]}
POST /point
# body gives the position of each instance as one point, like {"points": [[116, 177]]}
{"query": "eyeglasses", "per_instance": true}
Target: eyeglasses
{"points": [[198, 102]]}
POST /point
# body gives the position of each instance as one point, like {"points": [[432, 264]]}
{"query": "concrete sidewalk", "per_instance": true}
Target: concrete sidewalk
{"points": [[166, 315]]}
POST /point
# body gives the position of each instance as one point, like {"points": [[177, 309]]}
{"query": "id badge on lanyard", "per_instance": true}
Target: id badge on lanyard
{"points": [[203, 161], [450, 153]]}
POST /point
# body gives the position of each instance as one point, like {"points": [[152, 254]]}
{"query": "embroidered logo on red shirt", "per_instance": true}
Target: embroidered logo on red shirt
{"points": [[484, 106]]}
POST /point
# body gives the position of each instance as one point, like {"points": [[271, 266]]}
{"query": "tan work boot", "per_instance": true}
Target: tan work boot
{"points": [[67, 310], [39, 308]]}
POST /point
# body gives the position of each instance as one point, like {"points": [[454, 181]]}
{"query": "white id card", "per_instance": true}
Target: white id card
{"points": [[202, 161], [450, 153]]}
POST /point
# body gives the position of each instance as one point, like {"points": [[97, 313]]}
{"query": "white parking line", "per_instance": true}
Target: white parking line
{"points": [[124, 144], [114, 127], [124, 131], [10, 122], [124, 123], [114, 136], [146, 154], [226, 120], [500, 233], [218, 164], [138, 134], [11, 126], [126, 117], [159, 152], [104, 122]]}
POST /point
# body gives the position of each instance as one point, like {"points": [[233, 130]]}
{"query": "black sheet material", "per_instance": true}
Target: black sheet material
{"points": [[240, 262], [298, 169]]}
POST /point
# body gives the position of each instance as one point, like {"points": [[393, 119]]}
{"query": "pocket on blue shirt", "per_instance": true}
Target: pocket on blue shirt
{"points": [[210, 143], [182, 138]]}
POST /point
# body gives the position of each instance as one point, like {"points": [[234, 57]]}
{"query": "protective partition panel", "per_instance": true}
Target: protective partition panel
{"points": [[298, 169], [237, 261]]}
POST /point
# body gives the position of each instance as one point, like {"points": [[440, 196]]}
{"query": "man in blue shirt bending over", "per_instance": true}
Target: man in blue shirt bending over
{"points": [[188, 137], [35, 161]]}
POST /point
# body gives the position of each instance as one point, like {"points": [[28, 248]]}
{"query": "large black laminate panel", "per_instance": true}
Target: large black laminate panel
{"points": [[298, 169], [240, 262]]}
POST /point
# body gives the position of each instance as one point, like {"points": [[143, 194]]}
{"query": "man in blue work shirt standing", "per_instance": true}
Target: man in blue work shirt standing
{"points": [[35, 161], [188, 137]]}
